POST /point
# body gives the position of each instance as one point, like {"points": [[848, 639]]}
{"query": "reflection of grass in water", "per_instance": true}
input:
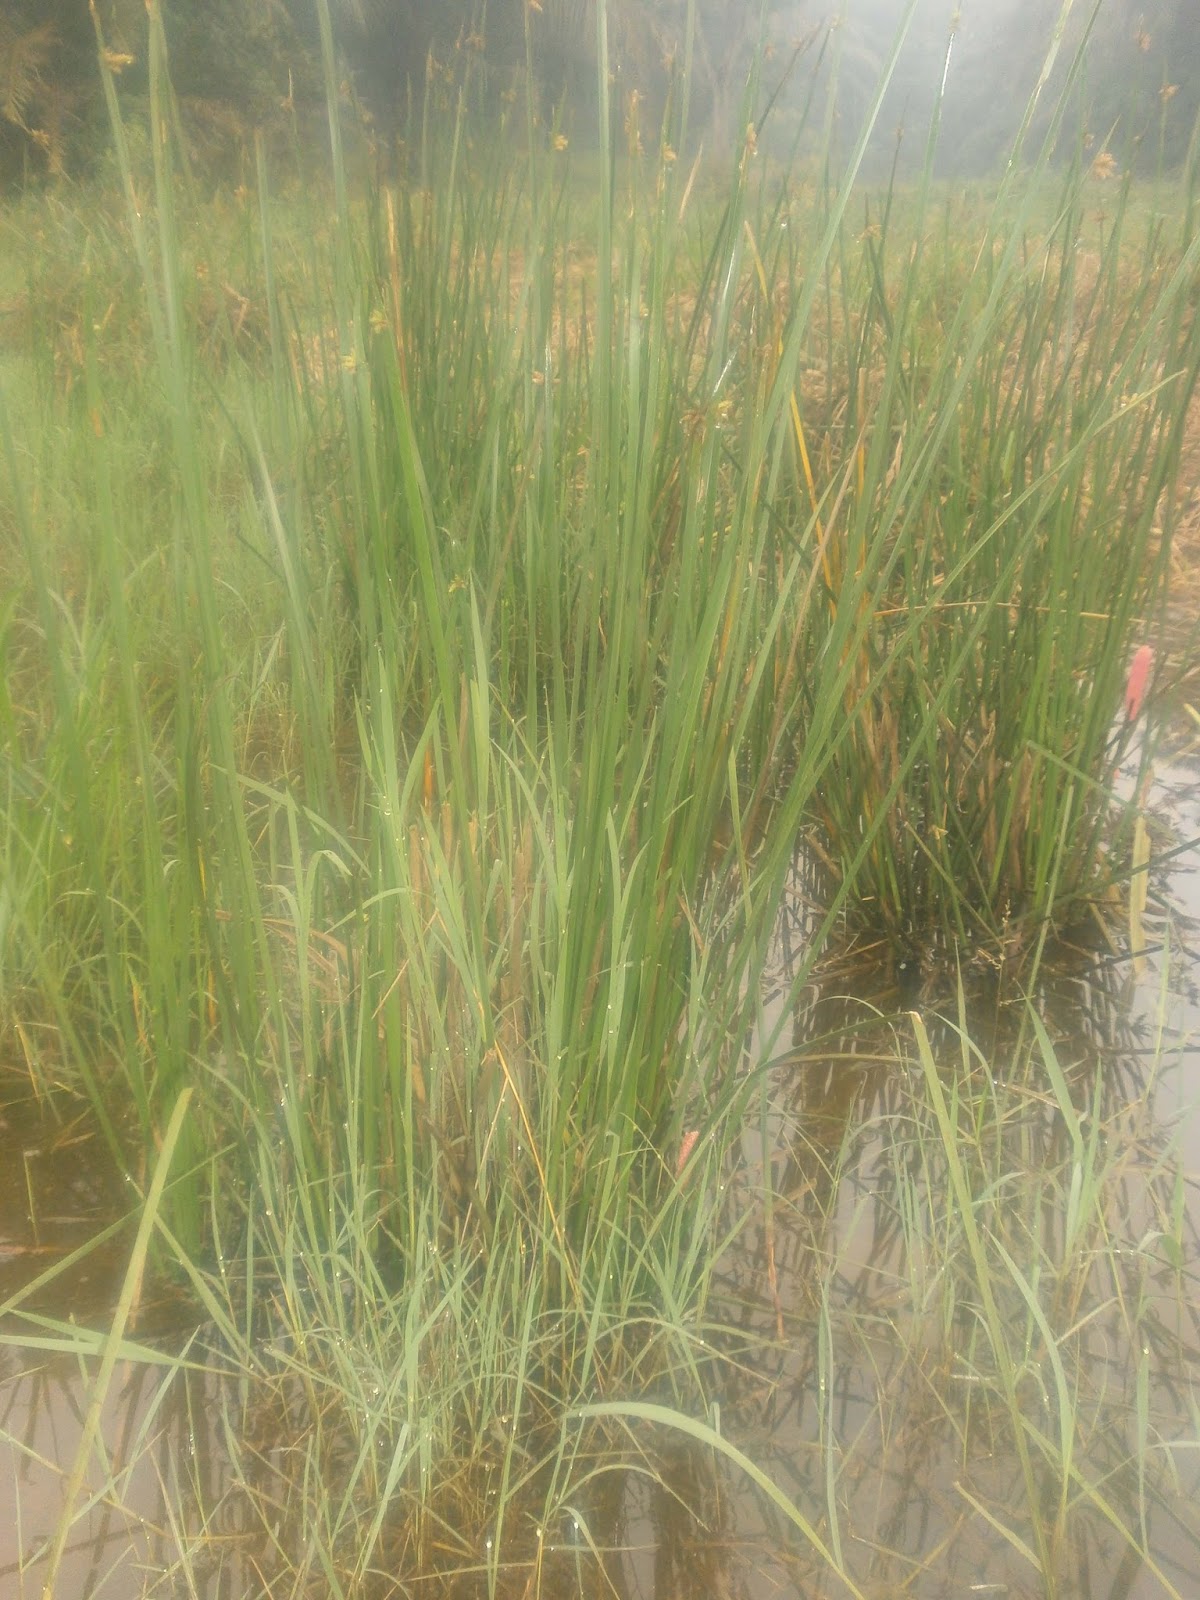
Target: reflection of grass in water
{"points": [[978, 1260], [412, 714]]}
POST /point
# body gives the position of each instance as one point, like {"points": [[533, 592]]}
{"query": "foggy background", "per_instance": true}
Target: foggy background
{"points": [[1139, 83], [239, 64], [1138, 93]]}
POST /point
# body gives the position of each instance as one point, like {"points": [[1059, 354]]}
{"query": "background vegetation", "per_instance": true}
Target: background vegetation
{"points": [[241, 64]]}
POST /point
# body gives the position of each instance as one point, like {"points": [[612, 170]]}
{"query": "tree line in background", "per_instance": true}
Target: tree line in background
{"points": [[237, 63]]}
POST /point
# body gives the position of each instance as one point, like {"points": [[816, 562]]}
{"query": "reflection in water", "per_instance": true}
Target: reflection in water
{"points": [[155, 1455], [57, 1183], [156, 1452], [883, 1413]]}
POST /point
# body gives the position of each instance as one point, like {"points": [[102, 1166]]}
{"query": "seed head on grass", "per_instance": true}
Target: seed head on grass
{"points": [[686, 1145]]}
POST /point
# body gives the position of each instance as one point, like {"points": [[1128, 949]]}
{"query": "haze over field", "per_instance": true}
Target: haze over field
{"points": [[1137, 95], [1143, 64], [1143, 67]]}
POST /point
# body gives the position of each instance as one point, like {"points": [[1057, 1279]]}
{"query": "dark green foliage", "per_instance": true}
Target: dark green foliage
{"points": [[247, 53], [236, 61], [40, 87]]}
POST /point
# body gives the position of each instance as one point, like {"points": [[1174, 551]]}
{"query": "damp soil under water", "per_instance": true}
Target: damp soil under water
{"points": [[847, 1370]]}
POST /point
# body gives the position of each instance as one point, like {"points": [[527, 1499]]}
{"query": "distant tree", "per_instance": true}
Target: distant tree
{"points": [[650, 41], [237, 60], [26, 88], [239, 52], [388, 41], [239, 55], [47, 63]]}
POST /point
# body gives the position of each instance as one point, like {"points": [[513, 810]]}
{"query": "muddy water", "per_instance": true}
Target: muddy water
{"points": [[56, 1180], [59, 1189], [852, 1363], [865, 1413], [849, 1364]]}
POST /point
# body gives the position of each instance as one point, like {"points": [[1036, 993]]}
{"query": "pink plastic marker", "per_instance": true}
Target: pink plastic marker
{"points": [[1139, 677]]}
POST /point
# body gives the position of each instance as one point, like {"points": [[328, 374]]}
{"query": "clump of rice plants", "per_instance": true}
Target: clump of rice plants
{"points": [[422, 791], [1003, 424]]}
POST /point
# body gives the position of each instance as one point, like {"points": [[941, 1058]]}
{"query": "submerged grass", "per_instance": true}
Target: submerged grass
{"points": [[985, 1322], [427, 654]]}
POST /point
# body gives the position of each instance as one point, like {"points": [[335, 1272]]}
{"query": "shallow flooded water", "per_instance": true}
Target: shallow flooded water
{"points": [[60, 1193], [853, 1358], [880, 1402]]}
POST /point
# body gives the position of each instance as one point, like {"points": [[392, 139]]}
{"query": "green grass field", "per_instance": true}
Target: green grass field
{"points": [[437, 619]]}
